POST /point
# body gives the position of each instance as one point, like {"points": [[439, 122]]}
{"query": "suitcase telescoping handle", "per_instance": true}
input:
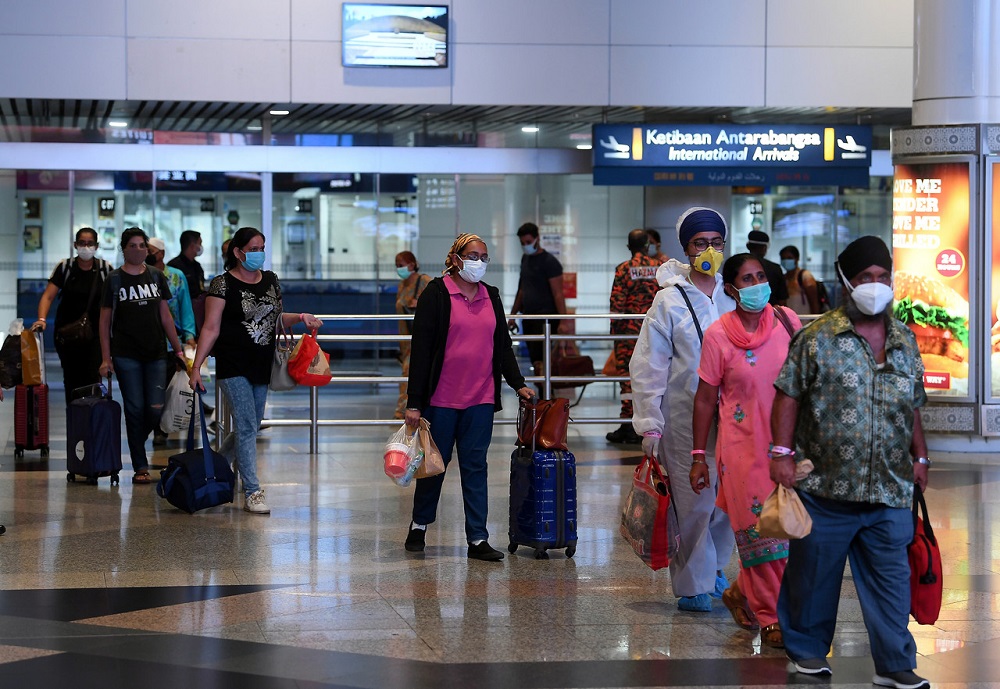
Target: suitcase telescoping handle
{"points": [[522, 404]]}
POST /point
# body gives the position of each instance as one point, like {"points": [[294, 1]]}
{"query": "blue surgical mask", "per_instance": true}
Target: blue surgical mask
{"points": [[753, 299], [652, 250], [254, 260], [403, 272], [789, 264], [529, 249]]}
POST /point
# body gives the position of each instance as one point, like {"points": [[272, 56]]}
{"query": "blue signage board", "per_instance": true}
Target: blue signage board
{"points": [[731, 154]]}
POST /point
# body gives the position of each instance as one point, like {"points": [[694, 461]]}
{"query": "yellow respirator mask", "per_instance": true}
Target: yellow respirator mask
{"points": [[708, 261]]}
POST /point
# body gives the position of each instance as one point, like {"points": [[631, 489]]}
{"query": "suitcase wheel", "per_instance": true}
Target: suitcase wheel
{"points": [[512, 548], [570, 550], [114, 479], [71, 477], [540, 554], [18, 453], [91, 480], [45, 451]]}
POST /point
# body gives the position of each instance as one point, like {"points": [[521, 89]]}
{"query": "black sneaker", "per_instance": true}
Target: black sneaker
{"points": [[3, 529], [625, 435], [415, 540], [906, 679], [484, 551], [813, 666]]}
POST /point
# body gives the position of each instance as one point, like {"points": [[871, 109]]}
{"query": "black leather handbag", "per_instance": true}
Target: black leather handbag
{"points": [[197, 479], [80, 331]]}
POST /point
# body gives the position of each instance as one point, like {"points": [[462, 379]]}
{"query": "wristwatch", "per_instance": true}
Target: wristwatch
{"points": [[922, 460]]}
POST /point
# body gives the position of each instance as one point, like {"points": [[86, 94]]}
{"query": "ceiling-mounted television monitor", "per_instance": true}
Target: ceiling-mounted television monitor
{"points": [[395, 35]]}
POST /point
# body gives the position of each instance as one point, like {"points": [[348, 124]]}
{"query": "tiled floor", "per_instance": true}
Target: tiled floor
{"points": [[112, 587]]}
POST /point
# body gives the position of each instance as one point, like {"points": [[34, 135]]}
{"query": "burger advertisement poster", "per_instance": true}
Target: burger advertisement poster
{"points": [[994, 218], [930, 251]]}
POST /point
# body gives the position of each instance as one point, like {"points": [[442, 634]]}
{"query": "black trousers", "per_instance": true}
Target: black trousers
{"points": [[81, 366]]}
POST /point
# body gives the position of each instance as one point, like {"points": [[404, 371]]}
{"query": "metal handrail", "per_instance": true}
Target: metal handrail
{"points": [[314, 423]]}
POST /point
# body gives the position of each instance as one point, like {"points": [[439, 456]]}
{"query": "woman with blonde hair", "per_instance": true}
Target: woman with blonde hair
{"points": [[460, 348]]}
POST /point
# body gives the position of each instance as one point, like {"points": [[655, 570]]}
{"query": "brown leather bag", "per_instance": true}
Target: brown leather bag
{"points": [[543, 424], [567, 361]]}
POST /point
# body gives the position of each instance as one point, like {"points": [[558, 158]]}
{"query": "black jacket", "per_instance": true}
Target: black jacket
{"points": [[430, 333]]}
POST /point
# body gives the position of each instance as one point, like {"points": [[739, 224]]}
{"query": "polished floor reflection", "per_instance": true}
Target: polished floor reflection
{"points": [[107, 586]]}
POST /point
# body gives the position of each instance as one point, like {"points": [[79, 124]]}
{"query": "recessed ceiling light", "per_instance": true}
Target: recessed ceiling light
{"points": [[117, 123], [254, 127], [278, 112], [584, 147], [529, 130]]}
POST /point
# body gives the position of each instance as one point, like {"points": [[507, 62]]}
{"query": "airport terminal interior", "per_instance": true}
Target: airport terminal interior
{"points": [[348, 132], [111, 586]]}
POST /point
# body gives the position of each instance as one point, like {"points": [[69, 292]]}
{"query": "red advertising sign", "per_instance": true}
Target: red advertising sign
{"points": [[930, 240]]}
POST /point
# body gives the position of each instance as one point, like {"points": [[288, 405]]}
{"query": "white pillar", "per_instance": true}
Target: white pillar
{"points": [[956, 62]]}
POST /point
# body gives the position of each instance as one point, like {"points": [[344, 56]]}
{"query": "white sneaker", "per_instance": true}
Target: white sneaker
{"points": [[255, 504]]}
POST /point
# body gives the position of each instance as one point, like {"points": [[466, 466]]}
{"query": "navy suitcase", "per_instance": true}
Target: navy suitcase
{"points": [[94, 436], [542, 501]]}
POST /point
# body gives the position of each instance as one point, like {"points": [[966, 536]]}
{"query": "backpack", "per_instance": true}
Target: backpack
{"points": [[822, 296]]}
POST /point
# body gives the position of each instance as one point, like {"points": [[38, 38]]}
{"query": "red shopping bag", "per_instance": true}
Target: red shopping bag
{"points": [[308, 364], [649, 520], [926, 585]]}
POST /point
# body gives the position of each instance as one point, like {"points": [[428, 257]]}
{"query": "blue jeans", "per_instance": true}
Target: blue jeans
{"points": [[470, 430], [246, 404], [143, 393], [874, 537]]}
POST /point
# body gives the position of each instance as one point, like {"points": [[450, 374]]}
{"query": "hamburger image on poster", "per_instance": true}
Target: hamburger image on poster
{"points": [[939, 317]]}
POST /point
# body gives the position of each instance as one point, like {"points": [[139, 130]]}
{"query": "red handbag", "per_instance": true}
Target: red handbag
{"points": [[308, 364], [926, 585]]}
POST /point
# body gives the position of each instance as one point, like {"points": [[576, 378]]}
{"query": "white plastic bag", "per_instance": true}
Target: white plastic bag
{"points": [[178, 405], [403, 455], [189, 352]]}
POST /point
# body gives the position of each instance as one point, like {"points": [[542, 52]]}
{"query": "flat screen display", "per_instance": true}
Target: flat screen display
{"points": [[395, 35]]}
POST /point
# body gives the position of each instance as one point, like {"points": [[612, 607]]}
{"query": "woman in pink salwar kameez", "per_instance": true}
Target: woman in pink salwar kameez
{"points": [[741, 356]]}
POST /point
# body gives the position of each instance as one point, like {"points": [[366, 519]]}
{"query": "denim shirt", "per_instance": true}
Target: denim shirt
{"points": [[855, 420]]}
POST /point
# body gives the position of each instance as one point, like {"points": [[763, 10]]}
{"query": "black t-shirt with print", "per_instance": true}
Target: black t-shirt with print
{"points": [[245, 346], [136, 329]]}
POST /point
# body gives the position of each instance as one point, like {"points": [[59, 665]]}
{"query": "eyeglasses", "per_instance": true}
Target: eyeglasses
{"points": [[88, 245], [702, 244], [485, 258]]}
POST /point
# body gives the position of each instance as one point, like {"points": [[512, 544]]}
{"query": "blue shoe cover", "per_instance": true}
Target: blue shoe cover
{"points": [[721, 584], [699, 603]]}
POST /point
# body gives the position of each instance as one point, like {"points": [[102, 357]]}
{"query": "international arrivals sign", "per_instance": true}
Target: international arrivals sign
{"points": [[731, 154]]}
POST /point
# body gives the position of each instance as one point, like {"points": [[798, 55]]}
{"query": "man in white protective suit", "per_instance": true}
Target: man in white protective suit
{"points": [[664, 372]]}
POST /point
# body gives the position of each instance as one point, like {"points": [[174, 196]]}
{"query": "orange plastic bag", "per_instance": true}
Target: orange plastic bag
{"points": [[309, 365], [32, 361]]}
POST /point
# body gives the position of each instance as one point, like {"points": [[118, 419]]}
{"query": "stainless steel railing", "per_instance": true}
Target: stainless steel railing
{"points": [[314, 423]]}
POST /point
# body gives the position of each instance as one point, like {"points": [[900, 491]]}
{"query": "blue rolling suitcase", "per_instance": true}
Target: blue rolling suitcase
{"points": [[94, 436], [542, 501]]}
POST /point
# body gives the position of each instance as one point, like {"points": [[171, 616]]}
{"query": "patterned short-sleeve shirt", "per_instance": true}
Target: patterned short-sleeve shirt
{"points": [[855, 419]]}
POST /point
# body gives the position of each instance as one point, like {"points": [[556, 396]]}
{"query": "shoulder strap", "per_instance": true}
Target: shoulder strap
{"points": [[697, 323], [783, 317], [93, 288]]}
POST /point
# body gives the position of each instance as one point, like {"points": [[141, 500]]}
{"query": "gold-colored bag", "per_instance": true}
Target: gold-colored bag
{"points": [[784, 516], [433, 463]]}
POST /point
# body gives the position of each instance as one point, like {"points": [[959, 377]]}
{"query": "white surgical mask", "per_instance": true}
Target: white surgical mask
{"points": [[198, 252], [472, 271], [529, 249], [86, 252], [872, 298], [652, 250]]}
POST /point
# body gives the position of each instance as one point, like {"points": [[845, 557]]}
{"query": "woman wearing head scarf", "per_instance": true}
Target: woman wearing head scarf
{"points": [[664, 379], [460, 348], [740, 360], [411, 283]]}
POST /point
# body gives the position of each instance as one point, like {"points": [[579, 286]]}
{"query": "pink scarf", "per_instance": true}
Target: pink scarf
{"points": [[738, 335]]}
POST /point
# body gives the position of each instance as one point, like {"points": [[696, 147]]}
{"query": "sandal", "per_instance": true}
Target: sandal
{"points": [[141, 476], [771, 636], [740, 609]]}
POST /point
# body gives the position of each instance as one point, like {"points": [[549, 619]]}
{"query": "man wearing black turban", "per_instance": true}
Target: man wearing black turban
{"points": [[847, 399]]}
